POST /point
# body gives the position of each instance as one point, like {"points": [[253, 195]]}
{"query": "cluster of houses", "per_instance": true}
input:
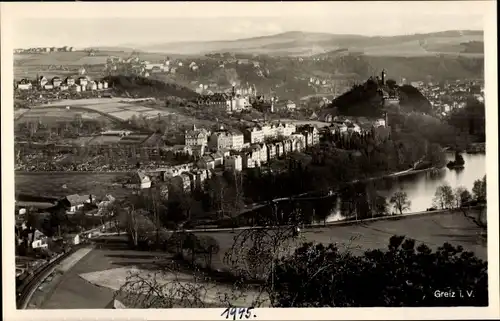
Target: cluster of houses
{"points": [[228, 150], [256, 145], [71, 204], [44, 49], [146, 68], [70, 83], [447, 97], [237, 100]]}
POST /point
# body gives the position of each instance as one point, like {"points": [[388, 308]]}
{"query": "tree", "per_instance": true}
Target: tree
{"points": [[461, 196], [479, 189], [400, 202], [444, 198], [324, 276]]}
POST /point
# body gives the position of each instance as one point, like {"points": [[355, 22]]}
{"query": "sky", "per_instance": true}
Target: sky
{"points": [[83, 24]]}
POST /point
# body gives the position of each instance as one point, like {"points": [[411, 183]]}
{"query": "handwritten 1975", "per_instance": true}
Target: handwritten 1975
{"points": [[238, 313]]}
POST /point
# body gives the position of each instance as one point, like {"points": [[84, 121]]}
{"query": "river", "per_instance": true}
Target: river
{"points": [[421, 187]]}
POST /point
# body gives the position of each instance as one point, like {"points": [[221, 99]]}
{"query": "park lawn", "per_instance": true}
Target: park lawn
{"points": [[433, 229]]}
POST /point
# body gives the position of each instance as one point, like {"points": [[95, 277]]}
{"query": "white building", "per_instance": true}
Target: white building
{"points": [[40, 240], [92, 85], [177, 170], [237, 140], [226, 140], [196, 137], [290, 105], [379, 122], [83, 81], [233, 163], [353, 128], [254, 135], [25, 86], [145, 181], [286, 129]]}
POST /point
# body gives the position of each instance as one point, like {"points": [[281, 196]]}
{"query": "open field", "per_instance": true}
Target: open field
{"points": [[19, 112], [120, 109], [56, 115], [113, 107], [433, 229], [79, 58], [63, 184]]}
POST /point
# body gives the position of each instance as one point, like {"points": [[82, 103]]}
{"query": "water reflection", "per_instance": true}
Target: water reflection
{"points": [[370, 199], [420, 187]]}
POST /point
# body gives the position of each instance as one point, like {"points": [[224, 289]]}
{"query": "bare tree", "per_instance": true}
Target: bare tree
{"points": [[400, 201], [444, 198], [461, 195], [167, 287], [132, 226], [256, 249]]}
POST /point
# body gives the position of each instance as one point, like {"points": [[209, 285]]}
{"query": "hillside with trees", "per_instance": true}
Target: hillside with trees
{"points": [[144, 87], [366, 100], [470, 120]]}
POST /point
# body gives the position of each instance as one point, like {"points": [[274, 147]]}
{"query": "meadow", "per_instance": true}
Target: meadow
{"points": [[432, 229], [55, 115], [63, 184]]}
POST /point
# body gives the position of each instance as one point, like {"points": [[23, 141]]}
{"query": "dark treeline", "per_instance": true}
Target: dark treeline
{"points": [[144, 87], [470, 120], [367, 99], [38, 131]]}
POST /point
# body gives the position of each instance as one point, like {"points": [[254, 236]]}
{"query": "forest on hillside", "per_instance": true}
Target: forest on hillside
{"points": [[366, 99], [144, 87]]}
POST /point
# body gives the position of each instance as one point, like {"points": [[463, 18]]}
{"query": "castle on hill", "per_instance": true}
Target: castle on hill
{"points": [[390, 95]]}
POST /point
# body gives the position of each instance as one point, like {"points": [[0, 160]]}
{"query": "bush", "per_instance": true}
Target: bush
{"points": [[405, 275]]}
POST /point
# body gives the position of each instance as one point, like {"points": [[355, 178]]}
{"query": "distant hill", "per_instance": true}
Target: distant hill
{"points": [[298, 43], [271, 62]]}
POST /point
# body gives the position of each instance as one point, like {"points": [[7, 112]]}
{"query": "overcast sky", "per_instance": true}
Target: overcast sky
{"points": [[84, 24]]}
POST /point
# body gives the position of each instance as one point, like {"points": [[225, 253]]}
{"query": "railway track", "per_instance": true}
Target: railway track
{"points": [[29, 286]]}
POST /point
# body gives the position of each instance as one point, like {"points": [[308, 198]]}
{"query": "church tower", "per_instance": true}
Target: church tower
{"points": [[383, 75]]}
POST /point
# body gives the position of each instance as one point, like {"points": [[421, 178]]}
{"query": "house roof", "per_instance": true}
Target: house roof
{"points": [[217, 154], [76, 199], [207, 159], [142, 176], [38, 235]]}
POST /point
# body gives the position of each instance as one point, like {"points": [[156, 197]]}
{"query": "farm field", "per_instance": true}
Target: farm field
{"points": [[62, 184], [114, 107], [19, 112], [79, 58], [55, 115], [433, 229], [31, 72], [123, 109]]}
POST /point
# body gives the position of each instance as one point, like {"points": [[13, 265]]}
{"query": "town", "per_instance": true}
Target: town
{"points": [[235, 173]]}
